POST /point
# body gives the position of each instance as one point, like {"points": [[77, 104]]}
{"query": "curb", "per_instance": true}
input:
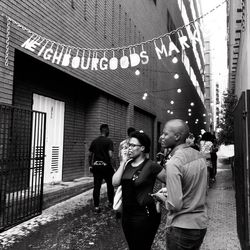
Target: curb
{"points": [[62, 194]]}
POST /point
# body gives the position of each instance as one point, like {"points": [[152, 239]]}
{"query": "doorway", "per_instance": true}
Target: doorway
{"points": [[54, 110]]}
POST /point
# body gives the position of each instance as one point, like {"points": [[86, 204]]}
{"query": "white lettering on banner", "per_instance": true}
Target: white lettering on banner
{"points": [[76, 61], [87, 64], [172, 47], [48, 54], [104, 63], [124, 62], [57, 58], [183, 42], [134, 59], [94, 63], [113, 63], [194, 37], [144, 57], [31, 44], [161, 51], [42, 49], [65, 58]]}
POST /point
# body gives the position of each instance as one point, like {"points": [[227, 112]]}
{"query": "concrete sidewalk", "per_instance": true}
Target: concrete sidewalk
{"points": [[222, 228], [58, 192], [221, 234]]}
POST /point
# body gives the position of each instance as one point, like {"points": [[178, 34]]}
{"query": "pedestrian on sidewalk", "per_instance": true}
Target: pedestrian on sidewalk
{"points": [[100, 162], [206, 147], [123, 153], [214, 157], [191, 141], [123, 147], [140, 219], [186, 183]]}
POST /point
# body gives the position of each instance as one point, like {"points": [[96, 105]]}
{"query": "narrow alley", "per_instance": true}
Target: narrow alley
{"points": [[72, 224]]}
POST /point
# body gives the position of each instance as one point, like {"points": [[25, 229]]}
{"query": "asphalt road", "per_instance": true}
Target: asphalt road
{"points": [[81, 229]]}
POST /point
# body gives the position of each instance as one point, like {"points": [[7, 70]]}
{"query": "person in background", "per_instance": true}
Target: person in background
{"points": [[100, 156], [123, 153], [186, 183], [214, 158], [190, 141], [140, 219], [206, 147], [123, 147]]}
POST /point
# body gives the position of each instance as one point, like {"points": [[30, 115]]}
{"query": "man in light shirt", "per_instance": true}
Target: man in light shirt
{"points": [[186, 183]]}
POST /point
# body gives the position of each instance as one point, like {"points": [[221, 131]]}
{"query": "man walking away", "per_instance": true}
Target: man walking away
{"points": [[100, 156], [186, 183]]}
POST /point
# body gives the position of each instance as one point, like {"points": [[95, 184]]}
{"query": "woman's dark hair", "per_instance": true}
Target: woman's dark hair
{"points": [[207, 136], [190, 135], [130, 130], [143, 139]]}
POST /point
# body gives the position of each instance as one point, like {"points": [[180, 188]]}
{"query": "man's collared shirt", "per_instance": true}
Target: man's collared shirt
{"points": [[186, 181]]}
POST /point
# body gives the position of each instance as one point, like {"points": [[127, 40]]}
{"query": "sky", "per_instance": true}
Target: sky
{"points": [[216, 31]]}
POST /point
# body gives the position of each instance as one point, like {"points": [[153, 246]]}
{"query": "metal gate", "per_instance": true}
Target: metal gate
{"points": [[241, 133], [22, 139]]}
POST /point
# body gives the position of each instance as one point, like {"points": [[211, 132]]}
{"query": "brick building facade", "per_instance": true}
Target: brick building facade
{"points": [[77, 101]]}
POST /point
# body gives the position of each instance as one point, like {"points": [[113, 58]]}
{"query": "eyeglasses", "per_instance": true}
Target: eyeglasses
{"points": [[132, 145]]}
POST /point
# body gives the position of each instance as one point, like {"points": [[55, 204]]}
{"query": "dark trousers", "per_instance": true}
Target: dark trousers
{"points": [[103, 173], [140, 230], [184, 239], [214, 164]]}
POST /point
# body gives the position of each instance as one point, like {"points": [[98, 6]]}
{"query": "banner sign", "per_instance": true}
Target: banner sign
{"points": [[95, 59], [80, 58]]}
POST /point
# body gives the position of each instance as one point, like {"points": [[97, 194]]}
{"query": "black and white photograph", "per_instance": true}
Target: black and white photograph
{"points": [[124, 125]]}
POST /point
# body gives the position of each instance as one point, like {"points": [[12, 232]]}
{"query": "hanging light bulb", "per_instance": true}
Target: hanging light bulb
{"points": [[168, 111], [171, 112], [172, 102], [204, 114], [179, 90], [186, 121], [175, 59], [137, 72], [145, 95], [176, 76], [191, 104], [189, 110]]}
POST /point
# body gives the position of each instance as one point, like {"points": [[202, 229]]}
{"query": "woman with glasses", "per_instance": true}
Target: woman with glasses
{"points": [[137, 175]]}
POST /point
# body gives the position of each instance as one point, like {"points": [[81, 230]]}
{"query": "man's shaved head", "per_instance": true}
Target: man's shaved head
{"points": [[178, 126]]}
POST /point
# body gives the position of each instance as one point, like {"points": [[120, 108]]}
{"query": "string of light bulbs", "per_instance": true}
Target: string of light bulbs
{"points": [[61, 54]]}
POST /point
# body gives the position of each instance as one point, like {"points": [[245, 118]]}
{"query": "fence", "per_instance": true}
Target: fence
{"points": [[22, 143]]}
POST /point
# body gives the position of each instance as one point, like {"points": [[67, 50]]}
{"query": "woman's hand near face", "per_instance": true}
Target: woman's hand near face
{"points": [[124, 154]]}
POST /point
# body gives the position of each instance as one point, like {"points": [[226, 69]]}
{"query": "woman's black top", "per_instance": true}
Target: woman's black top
{"points": [[137, 184]]}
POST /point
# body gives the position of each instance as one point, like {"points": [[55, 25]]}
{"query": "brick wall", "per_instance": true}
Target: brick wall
{"points": [[116, 93], [96, 24], [85, 109]]}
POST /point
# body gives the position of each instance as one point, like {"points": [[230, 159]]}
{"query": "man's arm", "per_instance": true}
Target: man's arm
{"points": [[112, 160], [174, 186], [91, 158]]}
